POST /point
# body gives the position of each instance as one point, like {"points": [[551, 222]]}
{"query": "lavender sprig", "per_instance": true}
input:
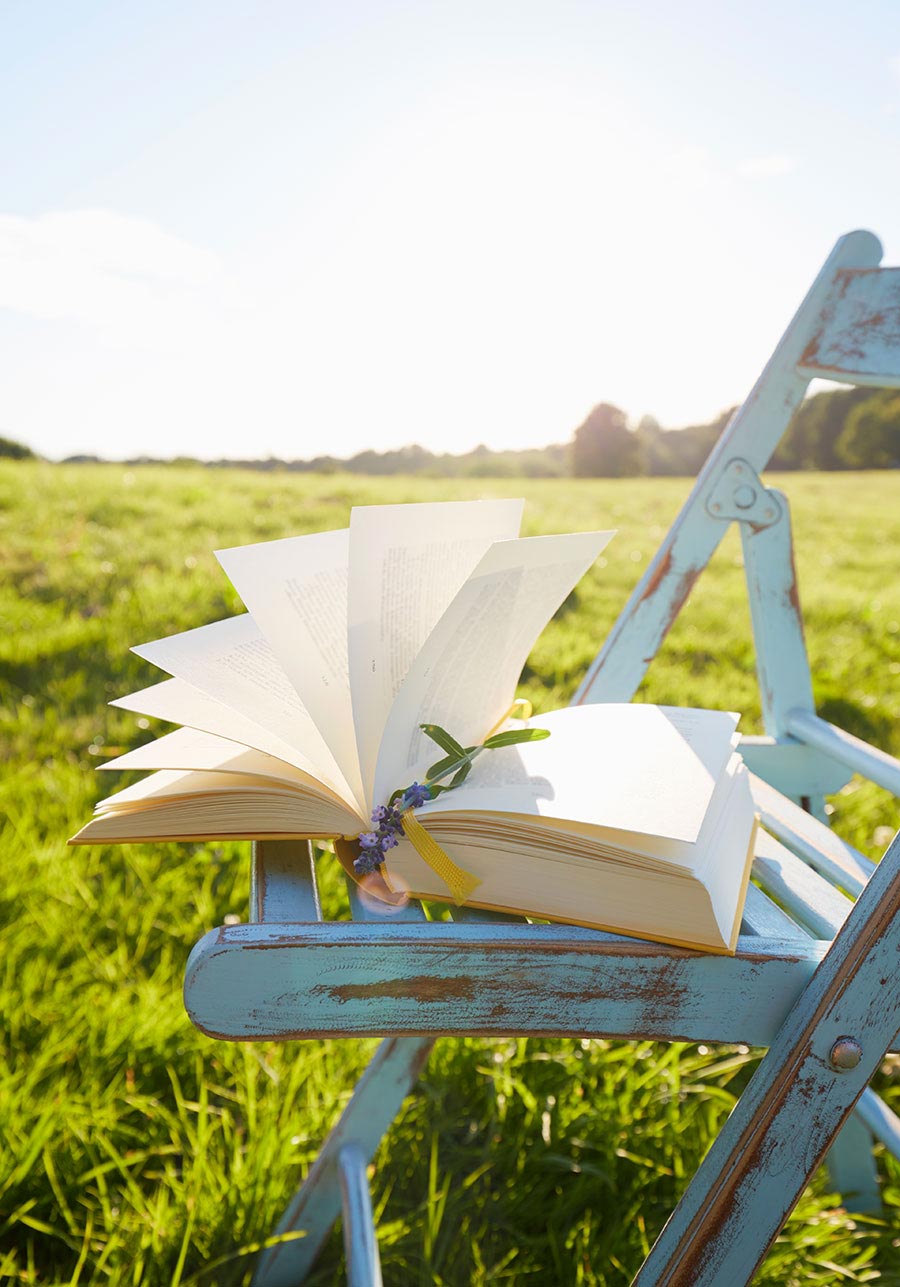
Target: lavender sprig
{"points": [[388, 823]]}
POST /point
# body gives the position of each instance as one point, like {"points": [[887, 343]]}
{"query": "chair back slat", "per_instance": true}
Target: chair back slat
{"points": [[858, 340]]}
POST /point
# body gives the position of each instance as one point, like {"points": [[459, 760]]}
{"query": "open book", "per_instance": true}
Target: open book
{"points": [[302, 715]]}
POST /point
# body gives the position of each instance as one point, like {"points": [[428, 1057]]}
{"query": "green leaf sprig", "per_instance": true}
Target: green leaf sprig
{"points": [[458, 760]]}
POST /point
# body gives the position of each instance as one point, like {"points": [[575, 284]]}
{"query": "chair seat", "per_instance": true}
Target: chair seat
{"points": [[289, 975]]}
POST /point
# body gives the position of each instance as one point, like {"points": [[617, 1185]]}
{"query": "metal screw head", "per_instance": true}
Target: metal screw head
{"points": [[845, 1054], [744, 496]]}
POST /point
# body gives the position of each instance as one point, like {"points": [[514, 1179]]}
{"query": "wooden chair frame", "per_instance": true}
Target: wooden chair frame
{"points": [[815, 975]]}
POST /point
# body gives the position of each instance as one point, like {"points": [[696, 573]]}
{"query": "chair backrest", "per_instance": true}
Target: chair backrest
{"points": [[847, 329]]}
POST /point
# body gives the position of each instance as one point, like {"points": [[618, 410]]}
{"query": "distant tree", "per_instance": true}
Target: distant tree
{"points": [[658, 447], [871, 437], [692, 445], [15, 450], [811, 438], [604, 447], [325, 465]]}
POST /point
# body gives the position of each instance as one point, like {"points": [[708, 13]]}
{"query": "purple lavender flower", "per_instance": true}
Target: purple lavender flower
{"points": [[388, 822], [368, 861]]}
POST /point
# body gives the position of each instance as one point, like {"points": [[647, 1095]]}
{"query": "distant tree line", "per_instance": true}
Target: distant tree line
{"points": [[15, 450], [840, 429]]}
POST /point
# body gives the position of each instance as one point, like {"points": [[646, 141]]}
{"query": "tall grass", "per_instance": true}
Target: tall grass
{"points": [[136, 1151]]}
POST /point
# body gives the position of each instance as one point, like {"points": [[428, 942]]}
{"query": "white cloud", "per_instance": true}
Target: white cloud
{"points": [[462, 301], [765, 167], [97, 266]]}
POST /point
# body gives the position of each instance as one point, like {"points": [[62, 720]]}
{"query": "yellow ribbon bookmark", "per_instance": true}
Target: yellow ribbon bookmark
{"points": [[460, 883], [520, 709]]}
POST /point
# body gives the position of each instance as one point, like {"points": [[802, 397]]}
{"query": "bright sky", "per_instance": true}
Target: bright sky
{"points": [[292, 228]]}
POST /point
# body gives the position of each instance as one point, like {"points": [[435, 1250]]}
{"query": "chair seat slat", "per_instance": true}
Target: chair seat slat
{"points": [[479, 915], [766, 919], [341, 979], [811, 839], [805, 894]]}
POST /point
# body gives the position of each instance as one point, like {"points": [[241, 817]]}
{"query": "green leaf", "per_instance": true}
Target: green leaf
{"points": [[442, 766], [443, 739], [515, 735], [460, 777]]}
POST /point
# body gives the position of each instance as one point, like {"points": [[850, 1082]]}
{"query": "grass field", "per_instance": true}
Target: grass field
{"points": [[136, 1151]]}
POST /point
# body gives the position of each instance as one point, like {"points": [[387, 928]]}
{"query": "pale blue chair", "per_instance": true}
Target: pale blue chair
{"points": [[815, 978]]}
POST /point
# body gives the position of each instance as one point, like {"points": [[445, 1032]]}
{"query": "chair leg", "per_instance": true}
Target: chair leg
{"points": [[360, 1243], [828, 1048], [381, 1090], [851, 1166]]}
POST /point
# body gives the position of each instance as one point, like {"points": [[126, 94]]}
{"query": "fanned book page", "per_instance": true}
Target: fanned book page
{"points": [[303, 715], [296, 592], [466, 672], [233, 662], [178, 702], [407, 563]]}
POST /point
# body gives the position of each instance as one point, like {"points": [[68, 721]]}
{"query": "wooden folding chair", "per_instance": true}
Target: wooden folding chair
{"points": [[827, 1010]]}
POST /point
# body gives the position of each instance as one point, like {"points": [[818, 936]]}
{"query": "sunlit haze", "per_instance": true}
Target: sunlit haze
{"points": [[298, 228]]}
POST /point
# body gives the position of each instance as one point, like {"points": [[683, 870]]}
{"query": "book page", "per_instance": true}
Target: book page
{"points": [[648, 770], [465, 676], [406, 564], [296, 591], [197, 806], [161, 785], [187, 748], [232, 662], [179, 702], [600, 894], [173, 783], [727, 851]]}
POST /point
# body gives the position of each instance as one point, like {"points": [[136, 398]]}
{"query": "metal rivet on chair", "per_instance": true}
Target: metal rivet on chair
{"points": [[845, 1054]]}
